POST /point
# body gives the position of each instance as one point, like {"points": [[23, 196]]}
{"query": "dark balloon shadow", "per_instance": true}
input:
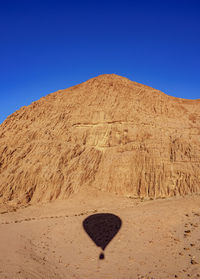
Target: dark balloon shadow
{"points": [[101, 228]]}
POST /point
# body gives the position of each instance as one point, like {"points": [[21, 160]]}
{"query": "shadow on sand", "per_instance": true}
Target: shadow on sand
{"points": [[101, 228]]}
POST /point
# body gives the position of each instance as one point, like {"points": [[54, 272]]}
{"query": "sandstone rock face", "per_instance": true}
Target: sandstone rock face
{"points": [[109, 134]]}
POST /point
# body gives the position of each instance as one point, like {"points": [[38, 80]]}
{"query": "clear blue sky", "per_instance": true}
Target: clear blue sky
{"points": [[51, 45]]}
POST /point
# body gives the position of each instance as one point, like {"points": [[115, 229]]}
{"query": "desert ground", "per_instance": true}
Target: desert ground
{"points": [[108, 145], [158, 239]]}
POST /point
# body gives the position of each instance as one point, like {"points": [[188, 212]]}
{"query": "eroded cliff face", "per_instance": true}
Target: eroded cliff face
{"points": [[108, 133]]}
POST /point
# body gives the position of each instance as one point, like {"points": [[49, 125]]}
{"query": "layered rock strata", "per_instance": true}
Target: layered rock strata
{"points": [[109, 134]]}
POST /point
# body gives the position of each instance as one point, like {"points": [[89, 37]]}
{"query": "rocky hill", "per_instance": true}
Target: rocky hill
{"points": [[109, 134]]}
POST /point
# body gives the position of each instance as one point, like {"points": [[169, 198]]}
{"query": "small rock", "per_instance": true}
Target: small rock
{"points": [[193, 262], [187, 231], [196, 214]]}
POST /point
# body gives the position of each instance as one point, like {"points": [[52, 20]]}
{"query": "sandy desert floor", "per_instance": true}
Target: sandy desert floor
{"points": [[158, 239]]}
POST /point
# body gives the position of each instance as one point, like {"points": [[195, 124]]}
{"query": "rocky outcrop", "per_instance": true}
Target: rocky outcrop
{"points": [[109, 134]]}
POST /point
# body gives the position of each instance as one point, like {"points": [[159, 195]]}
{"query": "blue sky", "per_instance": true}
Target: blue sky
{"points": [[51, 45]]}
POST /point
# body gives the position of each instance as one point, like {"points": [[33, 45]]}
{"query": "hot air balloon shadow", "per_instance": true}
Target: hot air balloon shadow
{"points": [[101, 228]]}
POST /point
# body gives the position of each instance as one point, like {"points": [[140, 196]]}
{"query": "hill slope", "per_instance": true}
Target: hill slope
{"points": [[108, 134]]}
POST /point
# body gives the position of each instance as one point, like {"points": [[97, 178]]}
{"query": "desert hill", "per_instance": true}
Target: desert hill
{"points": [[107, 134]]}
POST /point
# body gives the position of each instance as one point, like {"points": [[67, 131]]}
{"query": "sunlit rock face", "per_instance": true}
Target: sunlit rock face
{"points": [[108, 134]]}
